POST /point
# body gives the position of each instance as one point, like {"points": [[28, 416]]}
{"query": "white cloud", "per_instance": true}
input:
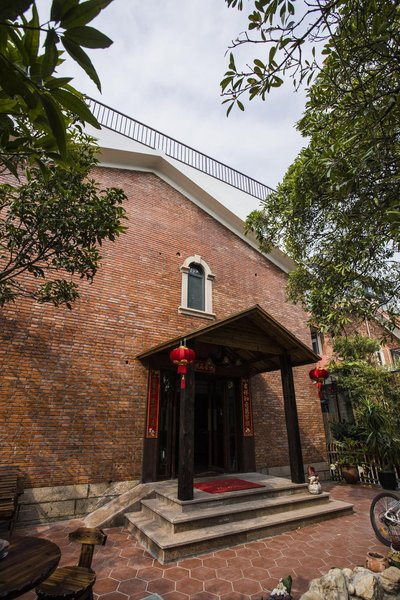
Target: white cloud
{"points": [[164, 69]]}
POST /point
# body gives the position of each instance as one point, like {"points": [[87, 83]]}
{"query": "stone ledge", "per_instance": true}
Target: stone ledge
{"points": [[42, 505], [71, 492], [46, 511], [54, 494]]}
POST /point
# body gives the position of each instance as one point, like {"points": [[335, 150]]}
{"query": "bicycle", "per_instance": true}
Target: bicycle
{"points": [[385, 518]]}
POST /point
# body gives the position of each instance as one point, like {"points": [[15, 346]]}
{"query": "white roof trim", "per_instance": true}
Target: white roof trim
{"points": [[168, 170]]}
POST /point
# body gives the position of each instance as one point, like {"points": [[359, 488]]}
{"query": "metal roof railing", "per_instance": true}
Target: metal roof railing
{"points": [[135, 130]]}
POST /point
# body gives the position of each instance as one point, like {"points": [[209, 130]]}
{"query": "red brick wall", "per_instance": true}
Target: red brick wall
{"points": [[73, 396]]}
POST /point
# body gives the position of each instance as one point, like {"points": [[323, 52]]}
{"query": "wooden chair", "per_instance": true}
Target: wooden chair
{"points": [[9, 493], [75, 583]]}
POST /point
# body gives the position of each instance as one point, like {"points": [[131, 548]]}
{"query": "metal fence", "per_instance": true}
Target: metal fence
{"points": [[135, 130], [368, 467]]}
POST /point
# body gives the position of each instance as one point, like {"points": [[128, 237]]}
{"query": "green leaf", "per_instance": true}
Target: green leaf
{"points": [[12, 9], [57, 82], [60, 7], [32, 36], [13, 81], [285, 42], [229, 109], [82, 59], [50, 57], [83, 13], [272, 53], [225, 82], [7, 104], [88, 37], [72, 102], [56, 121], [19, 47]]}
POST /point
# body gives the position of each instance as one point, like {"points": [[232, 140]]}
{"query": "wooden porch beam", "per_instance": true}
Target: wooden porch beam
{"points": [[292, 421], [186, 438], [236, 340]]}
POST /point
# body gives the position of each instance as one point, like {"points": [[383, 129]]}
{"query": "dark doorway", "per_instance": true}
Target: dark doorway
{"points": [[217, 425]]}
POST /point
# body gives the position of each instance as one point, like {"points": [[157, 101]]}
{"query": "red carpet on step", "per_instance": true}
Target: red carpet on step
{"points": [[219, 486]]}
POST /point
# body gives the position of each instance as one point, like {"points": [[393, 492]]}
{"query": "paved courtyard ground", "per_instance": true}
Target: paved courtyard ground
{"points": [[125, 571]]}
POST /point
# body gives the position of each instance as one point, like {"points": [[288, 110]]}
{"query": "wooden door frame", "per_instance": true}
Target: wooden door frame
{"points": [[245, 440]]}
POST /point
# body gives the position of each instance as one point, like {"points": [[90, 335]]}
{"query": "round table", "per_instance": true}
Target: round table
{"points": [[30, 561]]}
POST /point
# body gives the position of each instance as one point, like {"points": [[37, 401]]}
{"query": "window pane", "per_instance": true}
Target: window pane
{"points": [[315, 340], [396, 356], [196, 287]]}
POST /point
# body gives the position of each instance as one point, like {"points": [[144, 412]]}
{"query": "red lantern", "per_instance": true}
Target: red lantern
{"points": [[318, 376], [182, 357]]}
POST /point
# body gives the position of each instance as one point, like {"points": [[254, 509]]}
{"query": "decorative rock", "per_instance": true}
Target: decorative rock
{"points": [[366, 586], [357, 584], [348, 573], [331, 586], [390, 580], [312, 595]]}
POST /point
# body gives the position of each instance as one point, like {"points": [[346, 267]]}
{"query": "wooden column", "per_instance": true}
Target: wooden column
{"points": [[292, 421], [186, 438]]}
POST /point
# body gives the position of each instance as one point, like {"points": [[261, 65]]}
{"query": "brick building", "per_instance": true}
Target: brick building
{"points": [[89, 400], [336, 403]]}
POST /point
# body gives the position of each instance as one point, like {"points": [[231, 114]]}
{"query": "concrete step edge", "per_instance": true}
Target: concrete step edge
{"points": [[175, 516], [153, 531], [291, 488]]}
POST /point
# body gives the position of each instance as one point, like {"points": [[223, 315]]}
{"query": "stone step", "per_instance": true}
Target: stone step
{"points": [[167, 547], [174, 520], [275, 487]]}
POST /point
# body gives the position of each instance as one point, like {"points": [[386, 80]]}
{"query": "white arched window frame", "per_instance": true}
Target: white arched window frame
{"points": [[184, 309]]}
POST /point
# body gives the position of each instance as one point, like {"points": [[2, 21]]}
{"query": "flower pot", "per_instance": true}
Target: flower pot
{"points": [[376, 562], [350, 473], [388, 480]]}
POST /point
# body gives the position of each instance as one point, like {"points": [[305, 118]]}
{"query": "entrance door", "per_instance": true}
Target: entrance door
{"points": [[217, 426]]}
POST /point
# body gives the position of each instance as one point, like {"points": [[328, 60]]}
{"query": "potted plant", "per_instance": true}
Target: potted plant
{"points": [[349, 454], [388, 457], [382, 440]]}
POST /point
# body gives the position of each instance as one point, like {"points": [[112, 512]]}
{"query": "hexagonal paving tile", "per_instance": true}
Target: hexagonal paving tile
{"points": [[249, 571], [176, 573], [122, 573], [218, 586], [203, 573], [246, 586], [189, 586], [161, 586], [150, 573], [131, 586]]}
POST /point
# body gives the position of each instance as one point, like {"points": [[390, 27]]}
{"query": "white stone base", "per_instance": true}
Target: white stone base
{"points": [[43, 505]]}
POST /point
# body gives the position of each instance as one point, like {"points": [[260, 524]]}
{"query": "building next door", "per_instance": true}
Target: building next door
{"points": [[217, 425]]}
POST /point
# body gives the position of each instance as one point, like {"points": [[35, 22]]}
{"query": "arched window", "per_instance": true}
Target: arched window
{"points": [[196, 287], [196, 294]]}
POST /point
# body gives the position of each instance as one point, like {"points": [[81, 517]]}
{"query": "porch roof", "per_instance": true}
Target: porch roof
{"points": [[253, 335]]}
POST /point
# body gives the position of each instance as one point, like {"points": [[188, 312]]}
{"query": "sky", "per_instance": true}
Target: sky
{"points": [[164, 70]]}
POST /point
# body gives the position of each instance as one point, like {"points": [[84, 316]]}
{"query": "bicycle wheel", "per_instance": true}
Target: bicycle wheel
{"points": [[380, 504]]}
